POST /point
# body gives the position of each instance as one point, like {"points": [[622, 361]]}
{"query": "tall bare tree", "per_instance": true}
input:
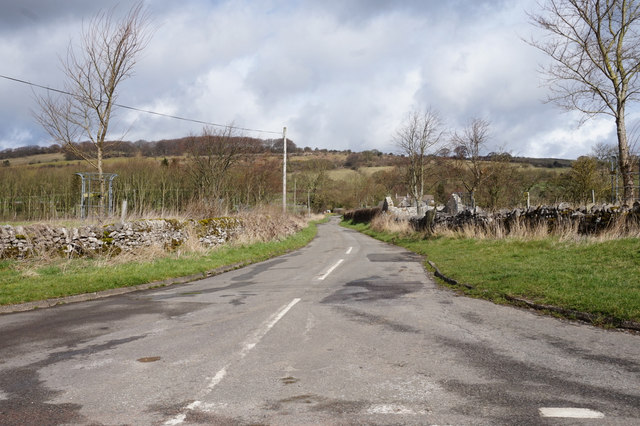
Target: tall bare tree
{"points": [[595, 50], [94, 70], [210, 159], [419, 133], [470, 143]]}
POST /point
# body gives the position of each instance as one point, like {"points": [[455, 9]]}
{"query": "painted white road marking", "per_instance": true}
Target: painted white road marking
{"points": [[253, 341], [331, 269], [349, 251], [248, 344], [570, 413], [205, 406], [176, 420], [390, 409], [217, 378]]}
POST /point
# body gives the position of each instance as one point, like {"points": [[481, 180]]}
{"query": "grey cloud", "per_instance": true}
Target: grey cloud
{"points": [[30, 13], [359, 11]]}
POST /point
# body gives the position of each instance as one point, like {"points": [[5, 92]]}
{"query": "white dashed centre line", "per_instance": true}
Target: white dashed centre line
{"points": [[570, 413], [331, 269], [349, 251], [247, 346]]}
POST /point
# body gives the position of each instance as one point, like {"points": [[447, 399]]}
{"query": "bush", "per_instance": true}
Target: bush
{"points": [[362, 215]]}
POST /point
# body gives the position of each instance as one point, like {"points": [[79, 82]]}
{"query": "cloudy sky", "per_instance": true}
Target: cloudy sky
{"points": [[340, 74]]}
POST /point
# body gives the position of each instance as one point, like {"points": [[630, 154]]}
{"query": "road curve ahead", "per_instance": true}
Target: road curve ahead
{"points": [[347, 330]]}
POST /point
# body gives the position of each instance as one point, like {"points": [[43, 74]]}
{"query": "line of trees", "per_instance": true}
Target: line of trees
{"points": [[239, 180], [164, 148], [442, 162]]}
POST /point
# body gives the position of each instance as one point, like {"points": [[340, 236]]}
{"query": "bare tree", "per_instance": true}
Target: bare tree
{"points": [[419, 133], [210, 159], [470, 143], [595, 48], [604, 151], [94, 70]]}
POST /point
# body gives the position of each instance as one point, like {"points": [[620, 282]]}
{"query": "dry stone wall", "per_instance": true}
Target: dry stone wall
{"points": [[586, 221], [24, 241]]}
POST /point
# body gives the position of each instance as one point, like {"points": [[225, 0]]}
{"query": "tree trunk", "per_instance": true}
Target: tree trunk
{"points": [[101, 199], [624, 159], [421, 194]]}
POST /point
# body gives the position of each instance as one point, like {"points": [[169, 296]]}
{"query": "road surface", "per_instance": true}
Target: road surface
{"points": [[347, 330]]}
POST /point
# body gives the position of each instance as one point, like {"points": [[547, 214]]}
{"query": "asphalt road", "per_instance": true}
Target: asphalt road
{"points": [[347, 330]]}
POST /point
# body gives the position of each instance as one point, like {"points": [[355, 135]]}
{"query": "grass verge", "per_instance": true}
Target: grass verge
{"points": [[22, 281], [595, 277]]}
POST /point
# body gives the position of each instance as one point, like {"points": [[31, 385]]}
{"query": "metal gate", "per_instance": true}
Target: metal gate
{"points": [[91, 202]]}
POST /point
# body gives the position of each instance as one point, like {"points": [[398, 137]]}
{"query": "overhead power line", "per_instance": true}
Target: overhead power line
{"points": [[175, 117]]}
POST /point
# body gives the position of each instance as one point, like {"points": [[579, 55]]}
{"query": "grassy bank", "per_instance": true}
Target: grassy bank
{"points": [[26, 281], [592, 276]]}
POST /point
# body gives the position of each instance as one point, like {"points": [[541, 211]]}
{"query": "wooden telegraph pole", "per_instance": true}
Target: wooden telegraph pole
{"points": [[284, 171]]}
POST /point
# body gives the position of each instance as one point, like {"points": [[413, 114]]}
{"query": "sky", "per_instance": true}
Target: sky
{"points": [[339, 74]]}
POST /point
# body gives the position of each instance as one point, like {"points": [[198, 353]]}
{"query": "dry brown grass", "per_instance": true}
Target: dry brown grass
{"points": [[268, 224], [392, 224], [621, 228], [518, 231], [563, 232]]}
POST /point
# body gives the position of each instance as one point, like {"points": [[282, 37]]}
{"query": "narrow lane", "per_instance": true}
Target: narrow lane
{"points": [[346, 330]]}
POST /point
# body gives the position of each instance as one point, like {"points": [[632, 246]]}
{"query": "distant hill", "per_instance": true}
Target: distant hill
{"points": [[543, 162], [181, 146]]}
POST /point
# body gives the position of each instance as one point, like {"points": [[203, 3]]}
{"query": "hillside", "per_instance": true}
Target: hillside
{"points": [[181, 147], [197, 176]]}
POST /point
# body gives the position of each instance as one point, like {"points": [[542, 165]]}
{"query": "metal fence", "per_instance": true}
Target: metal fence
{"points": [[91, 194], [616, 188]]}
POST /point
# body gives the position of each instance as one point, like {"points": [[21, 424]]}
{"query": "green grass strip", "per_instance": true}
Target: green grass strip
{"points": [[78, 276], [599, 278]]}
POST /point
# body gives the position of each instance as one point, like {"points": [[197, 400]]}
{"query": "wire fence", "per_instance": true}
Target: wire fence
{"points": [[69, 205]]}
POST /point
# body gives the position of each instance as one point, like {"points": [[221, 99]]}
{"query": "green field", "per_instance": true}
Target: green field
{"points": [[36, 159]]}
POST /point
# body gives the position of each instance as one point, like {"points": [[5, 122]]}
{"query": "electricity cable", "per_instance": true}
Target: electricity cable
{"points": [[175, 117]]}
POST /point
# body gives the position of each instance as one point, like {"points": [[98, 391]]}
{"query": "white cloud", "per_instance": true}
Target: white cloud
{"points": [[338, 74], [571, 141], [15, 137]]}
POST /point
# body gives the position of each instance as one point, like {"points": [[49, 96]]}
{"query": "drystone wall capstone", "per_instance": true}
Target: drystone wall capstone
{"points": [[25, 241]]}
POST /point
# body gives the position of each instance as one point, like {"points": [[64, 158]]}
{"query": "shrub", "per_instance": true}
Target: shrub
{"points": [[362, 215]]}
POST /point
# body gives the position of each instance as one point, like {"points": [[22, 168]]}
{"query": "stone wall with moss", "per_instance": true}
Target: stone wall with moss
{"points": [[25, 241]]}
